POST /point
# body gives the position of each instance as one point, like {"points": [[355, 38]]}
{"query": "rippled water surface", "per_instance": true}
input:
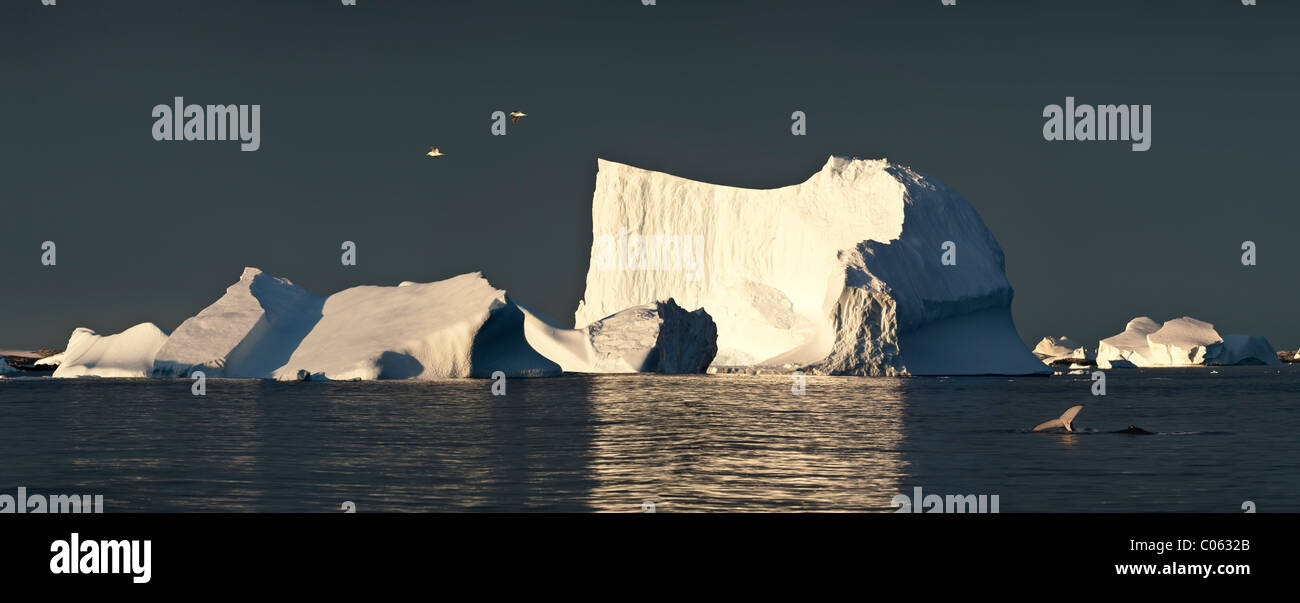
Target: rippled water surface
{"points": [[687, 443]]}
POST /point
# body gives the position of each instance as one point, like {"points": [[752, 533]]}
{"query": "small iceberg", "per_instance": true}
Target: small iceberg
{"points": [[1182, 341]]}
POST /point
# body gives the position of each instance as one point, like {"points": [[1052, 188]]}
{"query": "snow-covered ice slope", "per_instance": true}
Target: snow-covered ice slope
{"points": [[465, 327], [249, 332], [840, 274], [5, 369], [1182, 341], [459, 327], [1129, 348], [126, 354]]}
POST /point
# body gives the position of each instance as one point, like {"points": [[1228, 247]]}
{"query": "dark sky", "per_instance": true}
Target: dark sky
{"points": [[352, 97]]}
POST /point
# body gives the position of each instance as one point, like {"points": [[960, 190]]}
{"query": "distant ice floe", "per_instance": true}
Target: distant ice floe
{"points": [[1053, 350], [1182, 341]]}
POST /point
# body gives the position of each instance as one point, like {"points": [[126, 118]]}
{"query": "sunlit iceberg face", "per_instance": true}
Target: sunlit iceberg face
{"points": [[866, 268]]}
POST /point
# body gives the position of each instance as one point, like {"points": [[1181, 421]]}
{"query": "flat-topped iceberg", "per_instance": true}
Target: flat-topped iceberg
{"points": [[866, 268], [1182, 341], [267, 327]]}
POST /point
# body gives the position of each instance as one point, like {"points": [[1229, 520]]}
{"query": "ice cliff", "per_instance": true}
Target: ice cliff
{"points": [[840, 274]]}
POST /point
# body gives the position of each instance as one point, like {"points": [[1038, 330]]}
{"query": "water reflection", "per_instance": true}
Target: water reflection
{"points": [[688, 443], [694, 443], [578, 443]]}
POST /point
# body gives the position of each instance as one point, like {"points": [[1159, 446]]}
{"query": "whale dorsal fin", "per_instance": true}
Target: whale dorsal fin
{"points": [[1066, 420]]}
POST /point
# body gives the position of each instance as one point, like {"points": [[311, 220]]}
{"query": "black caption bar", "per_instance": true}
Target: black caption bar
{"points": [[325, 551]]}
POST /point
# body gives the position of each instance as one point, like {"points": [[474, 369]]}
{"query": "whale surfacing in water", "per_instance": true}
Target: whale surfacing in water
{"points": [[1065, 421], [1132, 430]]}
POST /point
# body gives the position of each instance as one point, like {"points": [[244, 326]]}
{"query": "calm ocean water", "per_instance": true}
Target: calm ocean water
{"points": [[687, 443]]}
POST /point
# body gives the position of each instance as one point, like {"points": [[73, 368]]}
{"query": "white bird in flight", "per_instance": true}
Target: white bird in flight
{"points": [[515, 115], [434, 152]]}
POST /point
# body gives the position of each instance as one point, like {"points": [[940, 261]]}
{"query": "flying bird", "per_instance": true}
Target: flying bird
{"points": [[515, 115], [434, 152]]}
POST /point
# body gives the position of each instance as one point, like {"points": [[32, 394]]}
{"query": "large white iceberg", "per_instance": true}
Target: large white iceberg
{"points": [[1182, 341], [267, 327], [840, 274]]}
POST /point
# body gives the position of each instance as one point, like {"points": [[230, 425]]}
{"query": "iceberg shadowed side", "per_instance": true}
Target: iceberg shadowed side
{"points": [[248, 333]]}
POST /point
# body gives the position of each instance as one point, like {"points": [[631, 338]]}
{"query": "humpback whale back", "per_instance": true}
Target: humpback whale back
{"points": [[1065, 420]]}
